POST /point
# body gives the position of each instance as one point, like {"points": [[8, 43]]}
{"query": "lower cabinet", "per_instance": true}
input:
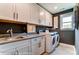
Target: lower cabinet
{"points": [[42, 44], [35, 49], [11, 51], [23, 47], [34, 46], [23, 50], [38, 45]]}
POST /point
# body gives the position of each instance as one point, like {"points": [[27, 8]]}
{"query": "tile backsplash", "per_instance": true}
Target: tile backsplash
{"points": [[17, 28]]}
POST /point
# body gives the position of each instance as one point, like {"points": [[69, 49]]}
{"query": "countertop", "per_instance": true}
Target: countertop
{"points": [[20, 37]]}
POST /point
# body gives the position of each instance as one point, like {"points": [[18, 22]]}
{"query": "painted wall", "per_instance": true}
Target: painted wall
{"points": [[67, 37]]}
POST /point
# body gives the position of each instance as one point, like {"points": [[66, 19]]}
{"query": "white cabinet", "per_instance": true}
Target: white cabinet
{"points": [[41, 45], [23, 50], [38, 45], [16, 48], [48, 19], [22, 12], [42, 20], [35, 46], [34, 9], [7, 11], [11, 51], [23, 47], [55, 22]]}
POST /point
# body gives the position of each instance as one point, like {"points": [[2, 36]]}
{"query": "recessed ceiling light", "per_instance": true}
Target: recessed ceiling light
{"points": [[55, 7]]}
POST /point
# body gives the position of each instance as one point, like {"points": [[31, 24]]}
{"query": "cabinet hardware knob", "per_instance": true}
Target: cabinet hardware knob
{"points": [[14, 15]]}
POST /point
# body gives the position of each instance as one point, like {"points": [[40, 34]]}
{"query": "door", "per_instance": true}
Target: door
{"points": [[23, 50], [34, 13], [48, 19], [49, 43], [42, 20], [7, 11], [22, 12], [23, 47], [41, 44], [11, 51], [35, 46]]}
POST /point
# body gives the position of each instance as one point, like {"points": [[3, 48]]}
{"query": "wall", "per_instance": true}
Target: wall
{"points": [[66, 36], [17, 28], [77, 40]]}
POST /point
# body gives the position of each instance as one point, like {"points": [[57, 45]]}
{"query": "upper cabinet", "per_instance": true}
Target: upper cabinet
{"points": [[42, 17], [34, 9], [55, 22], [7, 11], [25, 12], [22, 11], [48, 19]]}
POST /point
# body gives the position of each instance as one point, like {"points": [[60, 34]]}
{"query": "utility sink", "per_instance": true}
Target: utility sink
{"points": [[5, 38], [20, 37]]}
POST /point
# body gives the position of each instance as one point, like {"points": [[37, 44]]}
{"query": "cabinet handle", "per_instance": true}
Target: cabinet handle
{"points": [[14, 15], [35, 39], [17, 52], [39, 45], [39, 21]]}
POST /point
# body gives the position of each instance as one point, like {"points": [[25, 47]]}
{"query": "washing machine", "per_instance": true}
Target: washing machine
{"points": [[50, 42], [57, 38]]}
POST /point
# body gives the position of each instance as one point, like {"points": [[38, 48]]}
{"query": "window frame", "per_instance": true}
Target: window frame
{"points": [[61, 21]]}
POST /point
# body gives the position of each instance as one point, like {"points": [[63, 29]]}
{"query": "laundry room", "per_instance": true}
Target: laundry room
{"points": [[39, 28]]}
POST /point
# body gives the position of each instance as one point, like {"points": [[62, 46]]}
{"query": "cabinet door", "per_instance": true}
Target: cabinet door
{"points": [[35, 49], [48, 19], [41, 45], [34, 13], [23, 50], [6, 11], [42, 16], [22, 12], [23, 47], [11, 51], [35, 46]]}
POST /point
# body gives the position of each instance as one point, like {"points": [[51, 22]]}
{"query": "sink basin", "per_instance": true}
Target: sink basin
{"points": [[20, 37]]}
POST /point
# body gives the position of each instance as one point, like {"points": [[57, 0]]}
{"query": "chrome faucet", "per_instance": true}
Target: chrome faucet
{"points": [[10, 31]]}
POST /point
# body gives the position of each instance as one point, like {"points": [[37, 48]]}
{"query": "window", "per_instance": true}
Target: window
{"points": [[66, 21]]}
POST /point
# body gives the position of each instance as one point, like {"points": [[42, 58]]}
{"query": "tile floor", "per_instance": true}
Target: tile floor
{"points": [[64, 49]]}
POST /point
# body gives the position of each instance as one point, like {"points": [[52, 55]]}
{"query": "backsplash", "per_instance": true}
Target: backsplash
{"points": [[42, 28], [17, 28]]}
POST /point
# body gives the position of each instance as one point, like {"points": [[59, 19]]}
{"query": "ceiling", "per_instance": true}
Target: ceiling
{"points": [[57, 7]]}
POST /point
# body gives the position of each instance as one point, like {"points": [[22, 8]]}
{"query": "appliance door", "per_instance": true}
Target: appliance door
{"points": [[53, 42]]}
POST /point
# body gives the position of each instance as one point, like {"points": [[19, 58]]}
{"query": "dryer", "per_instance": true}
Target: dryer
{"points": [[50, 42]]}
